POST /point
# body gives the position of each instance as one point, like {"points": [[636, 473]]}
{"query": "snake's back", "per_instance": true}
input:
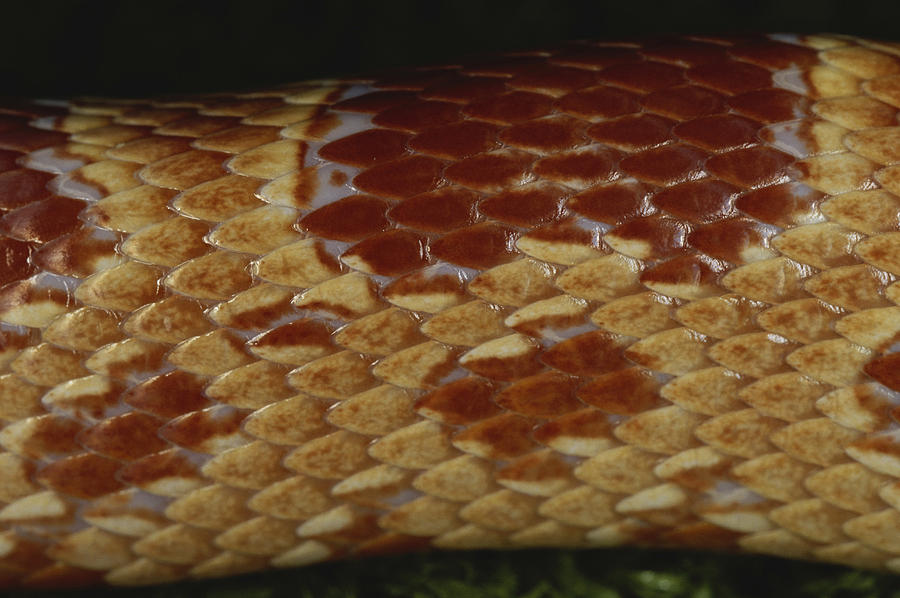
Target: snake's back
{"points": [[608, 293]]}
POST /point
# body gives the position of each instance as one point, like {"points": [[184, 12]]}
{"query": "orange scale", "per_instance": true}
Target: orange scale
{"points": [[718, 132], [770, 105], [684, 103], [481, 246], [43, 220], [457, 140], [83, 476], [784, 205], [643, 77], [401, 178], [706, 200], [751, 167], [510, 108], [444, 209], [418, 116], [389, 253], [366, 148], [590, 354], [599, 102], [349, 219], [731, 77], [168, 395], [492, 172], [528, 206], [21, 186], [735, 240], [666, 165], [613, 204], [125, 437], [375, 101], [633, 133]]}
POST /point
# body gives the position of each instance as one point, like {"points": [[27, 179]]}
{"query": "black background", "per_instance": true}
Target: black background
{"points": [[150, 47]]}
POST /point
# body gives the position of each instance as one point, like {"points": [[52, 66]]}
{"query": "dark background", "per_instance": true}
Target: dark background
{"points": [[132, 48]]}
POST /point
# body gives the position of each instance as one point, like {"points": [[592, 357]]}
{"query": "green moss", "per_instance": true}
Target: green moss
{"points": [[609, 573]]}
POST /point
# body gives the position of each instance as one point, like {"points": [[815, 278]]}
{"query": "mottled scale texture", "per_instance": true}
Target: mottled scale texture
{"points": [[607, 293]]}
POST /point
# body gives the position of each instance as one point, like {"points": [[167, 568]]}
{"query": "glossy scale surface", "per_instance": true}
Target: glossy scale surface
{"points": [[637, 292]]}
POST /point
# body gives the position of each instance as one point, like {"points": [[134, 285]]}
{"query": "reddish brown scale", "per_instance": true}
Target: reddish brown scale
{"points": [[26, 139], [460, 402], [586, 423], [194, 430], [783, 205], [366, 148], [624, 392], [390, 253], [83, 476], [731, 77], [502, 437], [694, 270], [170, 463], [644, 77], [168, 395], [659, 236], [546, 135], [375, 101], [457, 140], [633, 133], [20, 187], [685, 53], [9, 160], [43, 221], [510, 108], [445, 209], [51, 435], [613, 204], [420, 283], [750, 167], [684, 103], [419, 116], [401, 178], [462, 90], [589, 354], [886, 370], [480, 246], [667, 165], [567, 231], [263, 317], [599, 102], [125, 437], [493, 171], [299, 332], [506, 369], [14, 264], [349, 219], [718, 132], [728, 239], [706, 200], [581, 167], [770, 105], [553, 80], [544, 395], [531, 205]]}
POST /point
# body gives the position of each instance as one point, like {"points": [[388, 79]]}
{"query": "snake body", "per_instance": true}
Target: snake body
{"points": [[607, 293]]}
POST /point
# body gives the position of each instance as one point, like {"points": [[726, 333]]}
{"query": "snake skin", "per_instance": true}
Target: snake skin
{"points": [[609, 293]]}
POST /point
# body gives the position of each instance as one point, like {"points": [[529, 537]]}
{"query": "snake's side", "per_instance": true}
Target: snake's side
{"points": [[609, 293]]}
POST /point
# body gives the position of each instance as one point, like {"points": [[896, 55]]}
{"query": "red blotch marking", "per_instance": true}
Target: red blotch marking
{"points": [[719, 132], [418, 116], [614, 204], [548, 394], [750, 167], [590, 354], [460, 402], [169, 395], [700, 201], [644, 76], [125, 437], [731, 77], [458, 140], [510, 108], [366, 148], [445, 209], [481, 246], [531, 205], [349, 219], [685, 102], [727, 239], [633, 133], [82, 476], [401, 178], [626, 392], [391, 253]]}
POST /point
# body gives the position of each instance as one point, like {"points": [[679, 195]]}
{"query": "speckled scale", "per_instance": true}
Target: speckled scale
{"points": [[611, 292]]}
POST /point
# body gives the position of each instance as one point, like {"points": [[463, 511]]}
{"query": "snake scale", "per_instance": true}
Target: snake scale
{"points": [[637, 292]]}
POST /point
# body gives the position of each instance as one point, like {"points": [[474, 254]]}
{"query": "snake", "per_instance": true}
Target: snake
{"points": [[637, 292]]}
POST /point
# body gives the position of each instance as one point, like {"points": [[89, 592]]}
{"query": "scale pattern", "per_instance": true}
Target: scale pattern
{"points": [[638, 292]]}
